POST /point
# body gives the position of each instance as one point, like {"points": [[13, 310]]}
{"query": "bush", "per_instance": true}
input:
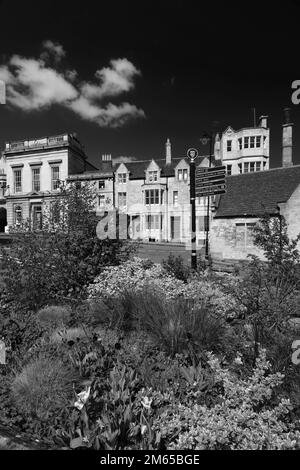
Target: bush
{"points": [[181, 325], [44, 386], [240, 419], [54, 316], [176, 267]]}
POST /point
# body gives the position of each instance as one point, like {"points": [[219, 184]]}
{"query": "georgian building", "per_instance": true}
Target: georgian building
{"points": [[34, 169]]}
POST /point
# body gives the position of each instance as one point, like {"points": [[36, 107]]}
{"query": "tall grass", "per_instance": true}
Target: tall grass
{"points": [[43, 386]]}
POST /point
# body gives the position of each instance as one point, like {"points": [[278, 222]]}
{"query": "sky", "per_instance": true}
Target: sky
{"points": [[127, 75]]}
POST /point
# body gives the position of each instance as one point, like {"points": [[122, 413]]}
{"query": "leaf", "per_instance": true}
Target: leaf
{"points": [[77, 442]]}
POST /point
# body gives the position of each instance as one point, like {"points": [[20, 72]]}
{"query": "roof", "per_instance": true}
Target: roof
{"points": [[255, 194], [137, 168]]}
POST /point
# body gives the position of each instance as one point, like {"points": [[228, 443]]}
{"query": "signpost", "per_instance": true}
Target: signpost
{"points": [[209, 182], [192, 155]]}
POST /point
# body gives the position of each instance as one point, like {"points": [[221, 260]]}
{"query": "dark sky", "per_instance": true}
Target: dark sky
{"points": [[199, 62]]}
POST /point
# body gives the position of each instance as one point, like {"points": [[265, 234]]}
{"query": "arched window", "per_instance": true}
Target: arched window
{"points": [[18, 215]]}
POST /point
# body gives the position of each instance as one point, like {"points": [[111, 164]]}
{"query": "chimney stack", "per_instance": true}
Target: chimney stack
{"points": [[217, 149], [263, 122], [287, 139], [106, 157], [168, 152]]}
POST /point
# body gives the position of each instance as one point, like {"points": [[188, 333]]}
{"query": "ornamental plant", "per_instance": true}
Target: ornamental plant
{"points": [[243, 417]]}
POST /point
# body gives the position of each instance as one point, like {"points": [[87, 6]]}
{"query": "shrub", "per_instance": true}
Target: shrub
{"points": [[176, 267], [43, 386], [54, 315], [181, 325], [241, 417]]}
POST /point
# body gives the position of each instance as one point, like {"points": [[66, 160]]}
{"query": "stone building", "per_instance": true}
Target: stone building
{"points": [[34, 169], [275, 192], [245, 150]]}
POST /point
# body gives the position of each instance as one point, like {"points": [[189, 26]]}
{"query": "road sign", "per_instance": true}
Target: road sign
{"points": [[211, 169], [210, 181], [192, 154], [211, 191]]}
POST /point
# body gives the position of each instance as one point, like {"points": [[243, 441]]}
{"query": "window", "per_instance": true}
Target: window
{"points": [[229, 169], [151, 197], [246, 142], [153, 176], [122, 178], [229, 145], [252, 142], [240, 143], [18, 215], [258, 141], [121, 199], [37, 217], [55, 177], [153, 222], [101, 184], [240, 168], [101, 200], [183, 174], [175, 198], [36, 184], [258, 166], [201, 223], [252, 167], [246, 167], [244, 235], [17, 181]]}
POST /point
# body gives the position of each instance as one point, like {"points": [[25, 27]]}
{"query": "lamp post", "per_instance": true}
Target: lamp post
{"points": [[193, 154]]}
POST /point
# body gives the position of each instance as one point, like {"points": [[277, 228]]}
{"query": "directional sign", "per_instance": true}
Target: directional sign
{"points": [[210, 181], [211, 191]]}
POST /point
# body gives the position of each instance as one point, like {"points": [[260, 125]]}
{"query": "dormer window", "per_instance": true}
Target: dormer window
{"points": [[122, 177], [229, 145], [152, 176], [182, 175]]}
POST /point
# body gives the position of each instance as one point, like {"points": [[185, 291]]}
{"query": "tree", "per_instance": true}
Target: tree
{"points": [[57, 263]]}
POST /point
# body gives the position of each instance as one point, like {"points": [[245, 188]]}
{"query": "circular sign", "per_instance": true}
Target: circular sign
{"points": [[192, 153]]}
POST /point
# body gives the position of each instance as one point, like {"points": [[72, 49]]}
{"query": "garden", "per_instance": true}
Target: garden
{"points": [[107, 351]]}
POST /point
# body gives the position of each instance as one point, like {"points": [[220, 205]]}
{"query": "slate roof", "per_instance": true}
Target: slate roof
{"points": [[255, 194], [137, 168]]}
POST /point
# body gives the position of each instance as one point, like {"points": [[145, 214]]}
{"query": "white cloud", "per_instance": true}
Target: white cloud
{"points": [[32, 84], [53, 49], [124, 159]]}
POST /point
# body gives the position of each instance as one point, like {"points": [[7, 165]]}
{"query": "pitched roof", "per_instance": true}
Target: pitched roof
{"points": [[255, 194], [137, 168]]}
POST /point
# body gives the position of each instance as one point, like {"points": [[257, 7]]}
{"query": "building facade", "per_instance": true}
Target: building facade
{"points": [[34, 170], [245, 150]]}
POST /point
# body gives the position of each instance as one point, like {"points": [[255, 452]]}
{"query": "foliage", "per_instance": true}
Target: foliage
{"points": [[59, 261], [43, 386], [241, 417], [176, 267]]}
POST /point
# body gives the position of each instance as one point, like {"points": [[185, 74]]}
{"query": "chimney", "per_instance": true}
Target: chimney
{"points": [[106, 163], [217, 148], [287, 139], [168, 152], [263, 122]]}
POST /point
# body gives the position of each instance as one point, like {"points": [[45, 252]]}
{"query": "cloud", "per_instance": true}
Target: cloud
{"points": [[124, 159], [34, 84], [53, 49]]}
